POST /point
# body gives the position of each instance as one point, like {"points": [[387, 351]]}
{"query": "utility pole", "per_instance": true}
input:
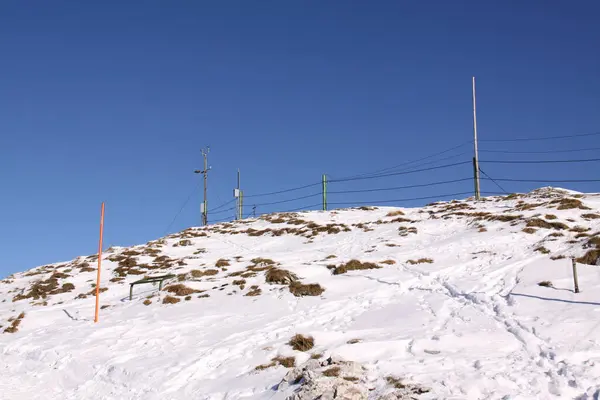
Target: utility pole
{"points": [[253, 211], [204, 206], [324, 191], [476, 158], [237, 193]]}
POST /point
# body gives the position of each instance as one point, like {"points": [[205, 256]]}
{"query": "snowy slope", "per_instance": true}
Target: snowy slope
{"points": [[467, 322]]}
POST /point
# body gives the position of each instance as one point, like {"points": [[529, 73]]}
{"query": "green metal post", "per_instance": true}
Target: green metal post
{"points": [[324, 192]]}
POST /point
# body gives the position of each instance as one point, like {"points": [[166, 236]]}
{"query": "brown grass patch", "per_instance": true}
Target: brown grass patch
{"points": [[222, 262], [590, 257], [332, 372], [316, 356], [288, 362], [329, 257], [482, 229], [14, 326], [545, 284], [420, 261], [388, 262], [529, 230], [354, 265], [354, 341], [540, 223], [394, 213], [280, 276], [300, 289], [405, 231], [209, 272], [254, 291], [351, 379], [147, 302], [550, 216], [542, 250], [556, 234], [180, 289], [302, 343], [590, 216], [569, 204], [560, 257], [171, 300]]}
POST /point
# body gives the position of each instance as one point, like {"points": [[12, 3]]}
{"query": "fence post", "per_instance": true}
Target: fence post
{"points": [[575, 280], [324, 190]]}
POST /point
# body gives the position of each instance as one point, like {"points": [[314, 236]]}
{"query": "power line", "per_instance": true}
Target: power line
{"points": [[404, 200], [541, 138], [538, 161], [185, 203], [400, 187], [401, 173], [496, 183], [408, 162], [283, 191], [539, 152], [285, 201], [223, 211], [221, 206], [547, 180]]}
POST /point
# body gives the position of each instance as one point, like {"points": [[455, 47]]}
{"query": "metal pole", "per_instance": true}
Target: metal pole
{"points": [[324, 190], [575, 280], [238, 212], [205, 214], [477, 192], [99, 262], [241, 204]]}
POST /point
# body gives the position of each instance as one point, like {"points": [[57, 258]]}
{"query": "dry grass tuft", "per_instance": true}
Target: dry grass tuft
{"points": [[288, 362], [329, 257], [180, 290], [529, 230], [209, 272], [332, 372], [254, 291], [560, 257], [388, 262], [569, 204], [540, 223], [171, 300], [579, 229], [545, 284], [351, 379], [589, 258], [354, 341], [542, 250], [263, 261], [14, 326], [302, 343], [420, 261], [354, 265], [316, 356], [590, 216], [394, 213], [147, 302], [300, 289], [222, 262], [280, 276], [550, 216]]}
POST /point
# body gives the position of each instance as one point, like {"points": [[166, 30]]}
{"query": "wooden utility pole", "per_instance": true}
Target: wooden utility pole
{"points": [[476, 159], [204, 206], [575, 280]]}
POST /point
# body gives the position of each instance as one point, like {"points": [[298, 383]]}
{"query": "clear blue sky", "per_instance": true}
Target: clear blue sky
{"points": [[113, 100]]}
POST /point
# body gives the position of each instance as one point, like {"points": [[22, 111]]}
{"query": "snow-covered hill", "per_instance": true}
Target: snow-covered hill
{"points": [[439, 302]]}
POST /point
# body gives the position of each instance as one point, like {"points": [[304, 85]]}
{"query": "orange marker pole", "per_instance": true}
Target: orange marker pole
{"points": [[99, 262]]}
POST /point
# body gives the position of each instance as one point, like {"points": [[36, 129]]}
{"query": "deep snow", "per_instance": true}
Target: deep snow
{"points": [[472, 324]]}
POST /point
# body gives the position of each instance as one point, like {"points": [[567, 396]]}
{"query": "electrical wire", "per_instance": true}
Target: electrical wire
{"points": [[222, 211], [537, 161], [496, 183], [539, 152], [399, 187], [402, 173], [221, 206], [282, 191], [541, 138], [284, 201], [407, 162], [404, 200], [547, 180], [185, 203]]}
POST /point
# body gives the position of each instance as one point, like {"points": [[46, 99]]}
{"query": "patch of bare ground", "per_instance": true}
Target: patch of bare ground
{"points": [[44, 288], [388, 262], [529, 230], [280, 276], [15, 322], [550, 217], [590, 216], [405, 231], [354, 265], [540, 223], [420, 261], [590, 257], [196, 273], [312, 289], [395, 213], [222, 262], [254, 291], [542, 250], [170, 300], [180, 290], [559, 257], [332, 372], [569, 204], [302, 343]]}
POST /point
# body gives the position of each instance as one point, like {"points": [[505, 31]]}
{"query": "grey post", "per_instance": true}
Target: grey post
{"points": [[575, 275]]}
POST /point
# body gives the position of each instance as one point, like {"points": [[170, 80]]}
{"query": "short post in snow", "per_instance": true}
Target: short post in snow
{"points": [[575, 281], [324, 190]]}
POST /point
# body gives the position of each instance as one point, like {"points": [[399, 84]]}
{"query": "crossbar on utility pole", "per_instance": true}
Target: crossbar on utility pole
{"points": [[204, 207], [476, 158]]}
